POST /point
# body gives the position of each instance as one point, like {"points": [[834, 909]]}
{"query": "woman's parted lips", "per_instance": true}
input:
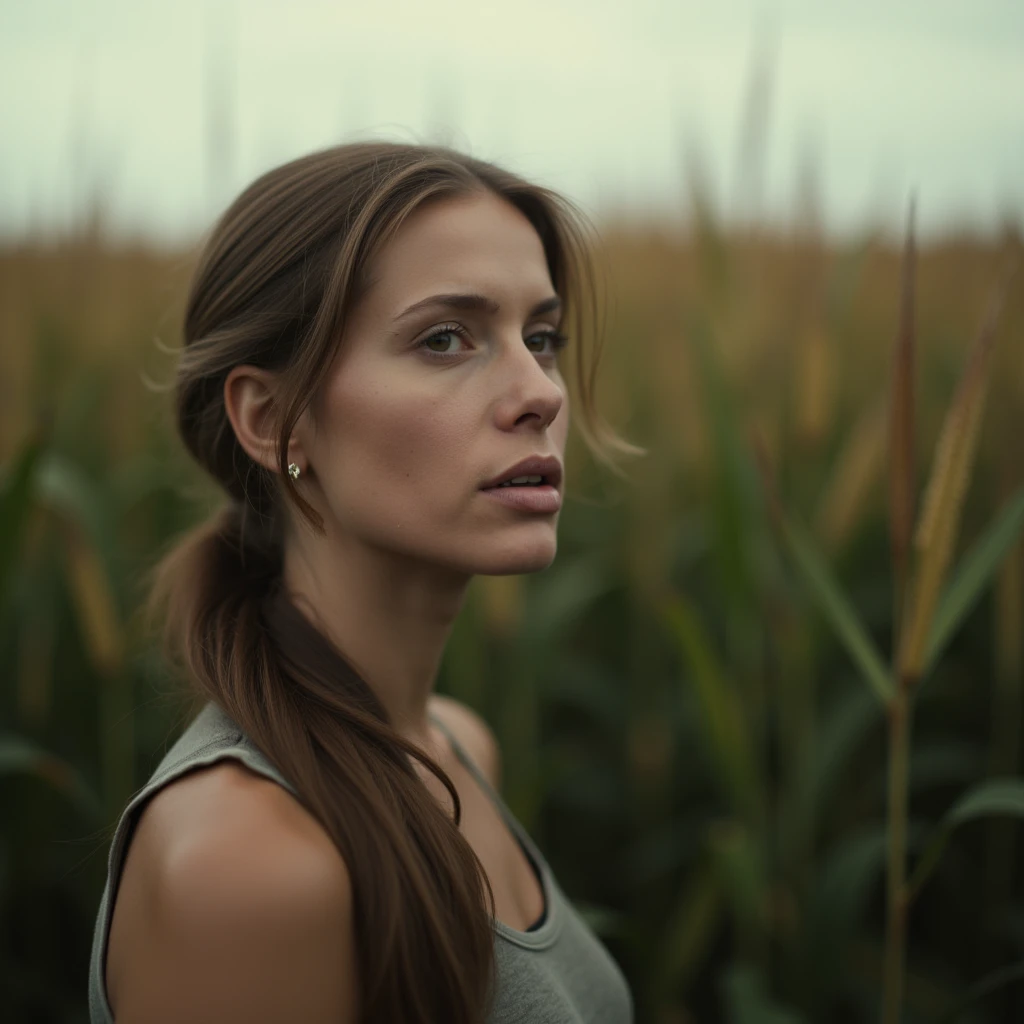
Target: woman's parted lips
{"points": [[547, 466]]}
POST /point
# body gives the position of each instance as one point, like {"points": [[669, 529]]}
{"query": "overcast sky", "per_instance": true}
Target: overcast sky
{"points": [[171, 108]]}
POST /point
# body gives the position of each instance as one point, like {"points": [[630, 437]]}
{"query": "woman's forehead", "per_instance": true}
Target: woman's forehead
{"points": [[479, 244]]}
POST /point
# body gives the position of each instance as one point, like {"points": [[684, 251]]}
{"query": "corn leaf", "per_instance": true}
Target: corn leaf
{"points": [[844, 727], [1001, 797], [18, 755], [605, 921], [901, 415], [15, 502], [838, 899], [991, 982], [748, 1003], [835, 605], [728, 736], [734, 520], [690, 928], [944, 498], [739, 859], [972, 576]]}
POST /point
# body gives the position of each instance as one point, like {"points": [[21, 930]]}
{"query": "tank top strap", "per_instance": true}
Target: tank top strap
{"points": [[505, 812], [544, 926], [484, 783], [471, 765]]}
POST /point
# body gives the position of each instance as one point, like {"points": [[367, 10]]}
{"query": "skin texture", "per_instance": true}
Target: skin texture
{"points": [[398, 443], [234, 904], [393, 451], [231, 907]]}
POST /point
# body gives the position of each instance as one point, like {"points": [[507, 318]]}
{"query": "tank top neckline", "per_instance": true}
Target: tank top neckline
{"points": [[539, 938], [544, 933]]}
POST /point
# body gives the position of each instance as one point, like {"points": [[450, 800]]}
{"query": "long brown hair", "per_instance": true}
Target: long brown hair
{"points": [[276, 279]]}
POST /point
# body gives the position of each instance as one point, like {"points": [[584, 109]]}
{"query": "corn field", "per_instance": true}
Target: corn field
{"points": [[762, 714]]}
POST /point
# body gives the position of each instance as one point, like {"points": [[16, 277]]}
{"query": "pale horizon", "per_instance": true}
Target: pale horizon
{"points": [[169, 111]]}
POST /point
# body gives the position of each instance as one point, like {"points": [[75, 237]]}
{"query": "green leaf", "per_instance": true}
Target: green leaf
{"points": [[605, 921], [713, 252], [972, 576], [739, 859], [690, 928], [19, 755], [1003, 797], [726, 728], [15, 502], [561, 597], [734, 522], [841, 732], [836, 607], [65, 488], [589, 686], [995, 796], [992, 982], [661, 850], [944, 763], [747, 1001], [838, 901]]}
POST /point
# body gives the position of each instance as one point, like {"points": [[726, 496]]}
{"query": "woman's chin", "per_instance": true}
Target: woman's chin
{"points": [[529, 558]]}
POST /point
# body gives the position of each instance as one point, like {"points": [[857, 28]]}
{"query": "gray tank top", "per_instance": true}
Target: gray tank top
{"points": [[557, 972]]}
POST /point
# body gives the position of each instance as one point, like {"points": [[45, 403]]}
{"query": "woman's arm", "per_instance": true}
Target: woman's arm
{"points": [[248, 924]]}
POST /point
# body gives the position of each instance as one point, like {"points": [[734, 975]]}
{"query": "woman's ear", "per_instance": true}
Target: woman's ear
{"points": [[249, 400]]}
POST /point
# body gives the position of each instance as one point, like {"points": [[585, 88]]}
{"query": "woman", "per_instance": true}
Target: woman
{"points": [[372, 338]]}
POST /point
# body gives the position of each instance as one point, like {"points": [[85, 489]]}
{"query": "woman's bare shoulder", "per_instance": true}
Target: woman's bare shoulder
{"points": [[228, 802], [229, 881], [230, 808]]}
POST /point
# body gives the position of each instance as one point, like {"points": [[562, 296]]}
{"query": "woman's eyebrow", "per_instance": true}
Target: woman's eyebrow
{"points": [[474, 302]]}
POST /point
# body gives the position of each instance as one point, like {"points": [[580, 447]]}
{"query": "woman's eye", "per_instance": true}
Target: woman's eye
{"points": [[442, 335], [557, 339]]}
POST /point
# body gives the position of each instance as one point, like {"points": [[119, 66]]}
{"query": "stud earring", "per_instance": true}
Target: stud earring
{"points": [[293, 470]]}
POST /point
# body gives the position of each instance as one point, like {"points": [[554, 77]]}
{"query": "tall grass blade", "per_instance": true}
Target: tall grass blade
{"points": [[744, 992], [842, 732], [815, 386], [18, 755], [65, 488], [739, 857], [1006, 712], [605, 921], [728, 736], [838, 901], [734, 493], [93, 596], [753, 132], [857, 469], [691, 928], [709, 237], [1001, 797], [973, 575], [559, 599], [992, 982], [15, 502], [901, 426], [824, 588], [940, 516], [503, 598]]}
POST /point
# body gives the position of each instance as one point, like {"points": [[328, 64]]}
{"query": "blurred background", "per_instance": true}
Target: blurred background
{"points": [[683, 711]]}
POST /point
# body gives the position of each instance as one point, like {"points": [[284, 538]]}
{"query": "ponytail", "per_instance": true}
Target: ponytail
{"points": [[245, 645]]}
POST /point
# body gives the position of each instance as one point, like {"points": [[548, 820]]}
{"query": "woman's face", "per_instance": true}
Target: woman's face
{"points": [[412, 422]]}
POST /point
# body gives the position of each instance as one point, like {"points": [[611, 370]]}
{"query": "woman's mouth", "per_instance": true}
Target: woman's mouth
{"points": [[527, 497]]}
